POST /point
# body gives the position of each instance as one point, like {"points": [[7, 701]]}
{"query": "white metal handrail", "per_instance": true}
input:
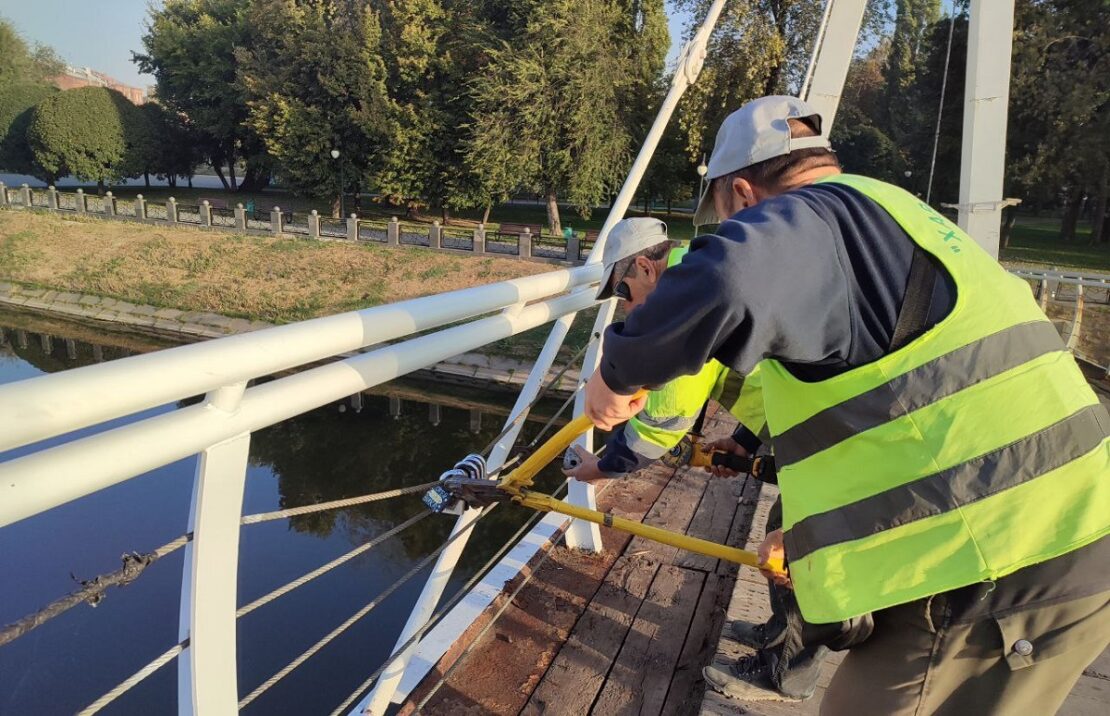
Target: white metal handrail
{"points": [[51, 405], [44, 479]]}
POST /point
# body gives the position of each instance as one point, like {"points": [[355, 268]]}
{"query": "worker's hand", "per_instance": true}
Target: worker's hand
{"points": [[725, 445], [771, 550], [587, 470], [608, 409]]}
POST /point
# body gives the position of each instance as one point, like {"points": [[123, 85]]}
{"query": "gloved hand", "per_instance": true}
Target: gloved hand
{"points": [[725, 445]]}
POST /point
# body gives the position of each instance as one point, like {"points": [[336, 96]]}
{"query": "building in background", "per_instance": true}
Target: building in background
{"points": [[75, 77]]}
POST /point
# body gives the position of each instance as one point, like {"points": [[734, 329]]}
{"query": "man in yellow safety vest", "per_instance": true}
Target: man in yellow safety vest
{"points": [[941, 459]]}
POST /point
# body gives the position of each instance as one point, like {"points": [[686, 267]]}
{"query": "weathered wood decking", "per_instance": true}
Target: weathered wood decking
{"points": [[626, 631]]}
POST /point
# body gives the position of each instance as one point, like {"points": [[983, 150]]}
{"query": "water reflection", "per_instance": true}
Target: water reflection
{"points": [[397, 435]]}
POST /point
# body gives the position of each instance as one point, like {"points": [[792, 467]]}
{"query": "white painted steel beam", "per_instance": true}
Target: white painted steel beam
{"points": [[986, 105], [50, 405], [51, 477], [207, 681], [379, 698], [834, 55]]}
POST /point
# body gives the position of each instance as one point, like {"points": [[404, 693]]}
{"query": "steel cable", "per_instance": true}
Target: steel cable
{"points": [[134, 679], [266, 685], [455, 599], [305, 579]]}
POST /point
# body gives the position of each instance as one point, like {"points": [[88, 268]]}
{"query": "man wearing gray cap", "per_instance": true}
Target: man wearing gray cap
{"points": [[942, 461], [636, 254]]}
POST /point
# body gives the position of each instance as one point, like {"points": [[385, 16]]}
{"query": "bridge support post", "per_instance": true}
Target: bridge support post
{"points": [[109, 204], [240, 218], [275, 221], [206, 674], [986, 103], [81, 207], [4, 201], [352, 227], [27, 201], [206, 214], [574, 246], [52, 198], [171, 210]]}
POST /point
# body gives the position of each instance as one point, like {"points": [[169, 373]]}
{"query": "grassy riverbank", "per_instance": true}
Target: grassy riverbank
{"points": [[263, 278]]}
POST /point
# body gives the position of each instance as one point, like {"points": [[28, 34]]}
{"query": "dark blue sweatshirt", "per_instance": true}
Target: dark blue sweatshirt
{"points": [[814, 277]]}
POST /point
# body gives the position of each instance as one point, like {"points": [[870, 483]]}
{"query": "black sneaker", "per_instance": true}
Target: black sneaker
{"points": [[748, 679], [753, 635]]}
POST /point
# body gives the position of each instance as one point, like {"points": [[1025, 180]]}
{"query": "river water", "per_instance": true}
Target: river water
{"points": [[334, 452]]}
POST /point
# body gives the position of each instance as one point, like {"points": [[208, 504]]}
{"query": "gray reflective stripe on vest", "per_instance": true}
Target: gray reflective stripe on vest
{"points": [[917, 388], [672, 424], [647, 448], [1009, 466]]}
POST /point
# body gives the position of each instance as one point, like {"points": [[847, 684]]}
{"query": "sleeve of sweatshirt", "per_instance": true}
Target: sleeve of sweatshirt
{"points": [[771, 283]]}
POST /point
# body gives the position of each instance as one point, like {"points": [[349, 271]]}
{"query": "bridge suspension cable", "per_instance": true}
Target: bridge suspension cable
{"points": [[455, 599], [330, 636], [134, 563], [131, 681]]}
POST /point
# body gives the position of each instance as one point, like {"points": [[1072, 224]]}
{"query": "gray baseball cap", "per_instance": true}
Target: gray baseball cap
{"points": [[628, 238], [756, 132]]}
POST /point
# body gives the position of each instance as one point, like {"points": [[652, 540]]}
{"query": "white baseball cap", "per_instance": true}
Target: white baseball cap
{"points": [[628, 238], [756, 132]]}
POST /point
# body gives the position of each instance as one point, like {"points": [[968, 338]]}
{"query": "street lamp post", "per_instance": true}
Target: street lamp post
{"points": [[702, 171], [335, 156]]}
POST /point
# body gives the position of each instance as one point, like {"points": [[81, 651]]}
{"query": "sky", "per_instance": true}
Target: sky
{"points": [[102, 34]]}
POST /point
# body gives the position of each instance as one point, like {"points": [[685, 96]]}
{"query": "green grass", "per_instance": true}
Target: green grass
{"points": [[1036, 240]]}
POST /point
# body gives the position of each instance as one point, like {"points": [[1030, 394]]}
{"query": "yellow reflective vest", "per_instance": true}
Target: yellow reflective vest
{"points": [[973, 451], [671, 411]]}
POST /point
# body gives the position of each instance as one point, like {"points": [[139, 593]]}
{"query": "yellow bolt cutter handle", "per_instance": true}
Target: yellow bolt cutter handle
{"points": [[517, 482]]}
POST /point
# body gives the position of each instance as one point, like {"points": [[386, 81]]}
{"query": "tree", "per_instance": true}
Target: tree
{"points": [[162, 144], [64, 139], [1058, 140], [17, 102], [20, 63], [548, 114], [307, 97], [909, 44], [191, 51], [670, 176]]}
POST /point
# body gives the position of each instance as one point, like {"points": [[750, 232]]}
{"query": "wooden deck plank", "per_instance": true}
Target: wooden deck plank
{"points": [[578, 672], [713, 520], [687, 686], [642, 672]]}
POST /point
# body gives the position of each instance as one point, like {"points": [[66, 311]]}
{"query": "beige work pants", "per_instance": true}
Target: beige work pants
{"points": [[916, 663]]}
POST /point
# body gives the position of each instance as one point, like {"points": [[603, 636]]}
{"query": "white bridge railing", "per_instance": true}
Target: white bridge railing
{"points": [[219, 428]]}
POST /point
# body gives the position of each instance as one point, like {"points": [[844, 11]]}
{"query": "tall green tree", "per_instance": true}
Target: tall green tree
{"points": [[190, 48], [162, 144], [548, 112], [22, 63], [1058, 140], [909, 45], [314, 80], [17, 102], [88, 133]]}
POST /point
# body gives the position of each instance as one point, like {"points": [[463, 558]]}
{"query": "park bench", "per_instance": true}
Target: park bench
{"points": [[535, 229]]}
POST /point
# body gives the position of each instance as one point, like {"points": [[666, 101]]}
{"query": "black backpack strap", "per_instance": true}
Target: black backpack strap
{"points": [[914, 316]]}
